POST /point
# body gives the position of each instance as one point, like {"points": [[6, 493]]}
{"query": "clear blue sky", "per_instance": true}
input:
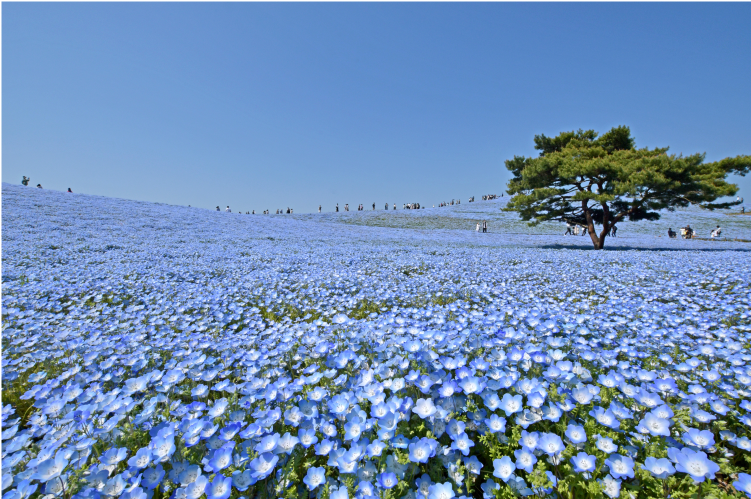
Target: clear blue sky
{"points": [[266, 105]]}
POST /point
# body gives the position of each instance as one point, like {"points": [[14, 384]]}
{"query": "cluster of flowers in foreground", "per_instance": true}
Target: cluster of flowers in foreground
{"points": [[226, 358]]}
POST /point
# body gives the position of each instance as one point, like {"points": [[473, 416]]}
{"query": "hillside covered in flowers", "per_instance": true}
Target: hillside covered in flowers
{"points": [[155, 351]]}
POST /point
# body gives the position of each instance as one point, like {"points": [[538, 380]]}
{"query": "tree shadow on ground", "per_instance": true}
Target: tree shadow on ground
{"points": [[637, 248]]}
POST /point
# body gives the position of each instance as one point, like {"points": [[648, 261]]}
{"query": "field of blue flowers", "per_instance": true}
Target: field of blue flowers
{"points": [[171, 352]]}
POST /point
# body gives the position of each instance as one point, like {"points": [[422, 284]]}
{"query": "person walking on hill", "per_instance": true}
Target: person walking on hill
{"points": [[319, 208], [70, 190], [25, 181], [394, 205], [613, 230], [484, 225], [39, 186], [217, 209], [477, 227], [337, 207], [568, 229], [374, 206]]}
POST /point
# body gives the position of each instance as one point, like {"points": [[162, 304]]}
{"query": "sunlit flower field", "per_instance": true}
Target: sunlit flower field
{"points": [[172, 352]]}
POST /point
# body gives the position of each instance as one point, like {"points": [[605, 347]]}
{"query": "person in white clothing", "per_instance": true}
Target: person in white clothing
{"points": [[228, 210], [477, 227]]}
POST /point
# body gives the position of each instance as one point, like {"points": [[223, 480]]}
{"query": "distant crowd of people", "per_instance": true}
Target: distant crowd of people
{"points": [[688, 233], [405, 206], [573, 229], [449, 203], [25, 181]]}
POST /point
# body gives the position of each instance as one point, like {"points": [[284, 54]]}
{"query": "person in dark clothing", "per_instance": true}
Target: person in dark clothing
{"points": [[613, 230], [39, 186], [69, 189], [25, 180], [337, 207], [484, 226]]}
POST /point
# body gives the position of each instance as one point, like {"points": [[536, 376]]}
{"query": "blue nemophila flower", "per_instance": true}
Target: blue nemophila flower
{"points": [[529, 439], [605, 444], [694, 463], [263, 465], [581, 394], [228, 432], [423, 484], [50, 468], [353, 429], [447, 389], [488, 489], [152, 477], [314, 477], [550, 443], [375, 448], [242, 480], [424, 408], [605, 417], [659, 468], [338, 405], [551, 413], [219, 488], [197, 488], [286, 444], [366, 489], [162, 448], [462, 443], [324, 447], [583, 462], [698, 438], [387, 480], [511, 404], [113, 456], [268, 443], [441, 491], [503, 468], [620, 466], [576, 434], [743, 484], [142, 458], [420, 451], [495, 423], [221, 459], [525, 459], [654, 425], [23, 489], [472, 384], [455, 428], [187, 473], [473, 465], [307, 437], [611, 486], [400, 442]]}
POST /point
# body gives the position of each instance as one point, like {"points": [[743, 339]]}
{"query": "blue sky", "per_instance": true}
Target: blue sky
{"points": [[265, 106]]}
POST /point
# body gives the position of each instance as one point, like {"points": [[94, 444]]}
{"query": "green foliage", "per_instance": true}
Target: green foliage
{"points": [[584, 179]]}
